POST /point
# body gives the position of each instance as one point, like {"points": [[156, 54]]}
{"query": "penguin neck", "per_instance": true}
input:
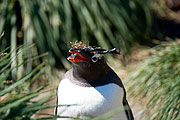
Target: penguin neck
{"points": [[91, 73]]}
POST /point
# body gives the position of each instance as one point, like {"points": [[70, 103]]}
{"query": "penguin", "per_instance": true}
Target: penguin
{"points": [[91, 88]]}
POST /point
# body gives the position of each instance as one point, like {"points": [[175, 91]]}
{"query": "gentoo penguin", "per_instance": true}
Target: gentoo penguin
{"points": [[91, 88]]}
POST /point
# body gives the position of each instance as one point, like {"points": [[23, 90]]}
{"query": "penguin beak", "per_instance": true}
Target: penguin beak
{"points": [[75, 57]]}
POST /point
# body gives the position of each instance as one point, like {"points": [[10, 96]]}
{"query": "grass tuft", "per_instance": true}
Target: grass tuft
{"points": [[157, 82]]}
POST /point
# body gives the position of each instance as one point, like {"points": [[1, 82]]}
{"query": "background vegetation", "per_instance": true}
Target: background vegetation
{"points": [[157, 79], [16, 97], [52, 24]]}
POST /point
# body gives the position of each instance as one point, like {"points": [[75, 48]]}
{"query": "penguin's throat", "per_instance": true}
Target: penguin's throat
{"points": [[91, 74]]}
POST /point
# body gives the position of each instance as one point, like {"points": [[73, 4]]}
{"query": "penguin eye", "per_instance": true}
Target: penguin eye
{"points": [[94, 59]]}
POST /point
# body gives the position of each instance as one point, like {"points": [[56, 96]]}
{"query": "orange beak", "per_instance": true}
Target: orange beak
{"points": [[76, 57]]}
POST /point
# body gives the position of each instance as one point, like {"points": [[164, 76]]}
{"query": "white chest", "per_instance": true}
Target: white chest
{"points": [[88, 101]]}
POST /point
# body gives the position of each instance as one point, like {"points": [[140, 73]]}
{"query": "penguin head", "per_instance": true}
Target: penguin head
{"points": [[81, 53]]}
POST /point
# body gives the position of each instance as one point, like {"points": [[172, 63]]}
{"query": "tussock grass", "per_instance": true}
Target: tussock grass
{"points": [[157, 82], [15, 97], [53, 24]]}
